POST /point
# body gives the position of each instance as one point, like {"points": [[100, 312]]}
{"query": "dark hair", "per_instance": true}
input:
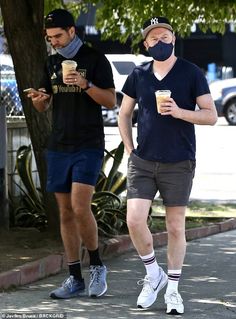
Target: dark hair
{"points": [[45, 32]]}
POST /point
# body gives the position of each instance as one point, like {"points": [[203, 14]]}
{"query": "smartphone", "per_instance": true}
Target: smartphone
{"points": [[29, 90], [36, 92]]}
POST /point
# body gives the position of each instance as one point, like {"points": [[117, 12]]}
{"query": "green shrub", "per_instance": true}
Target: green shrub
{"points": [[28, 210], [107, 206]]}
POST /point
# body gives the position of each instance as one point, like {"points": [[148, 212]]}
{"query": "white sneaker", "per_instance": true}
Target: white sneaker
{"points": [[150, 289], [174, 303]]}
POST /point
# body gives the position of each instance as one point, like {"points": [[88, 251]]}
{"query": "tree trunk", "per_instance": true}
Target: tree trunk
{"points": [[23, 26]]}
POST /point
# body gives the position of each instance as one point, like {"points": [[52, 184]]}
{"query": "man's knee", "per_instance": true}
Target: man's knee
{"points": [[66, 215], [135, 221]]}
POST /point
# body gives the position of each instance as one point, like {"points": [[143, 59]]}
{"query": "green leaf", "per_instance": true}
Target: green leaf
{"points": [[116, 163], [31, 211], [23, 166]]}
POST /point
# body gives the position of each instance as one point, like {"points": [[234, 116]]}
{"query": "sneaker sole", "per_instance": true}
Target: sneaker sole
{"points": [[101, 294], [174, 312], [74, 295], [157, 291]]}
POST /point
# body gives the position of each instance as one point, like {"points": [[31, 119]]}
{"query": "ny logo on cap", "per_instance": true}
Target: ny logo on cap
{"points": [[154, 21]]}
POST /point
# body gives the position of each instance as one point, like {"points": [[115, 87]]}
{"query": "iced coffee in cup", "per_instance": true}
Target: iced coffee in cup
{"points": [[67, 67], [161, 96]]}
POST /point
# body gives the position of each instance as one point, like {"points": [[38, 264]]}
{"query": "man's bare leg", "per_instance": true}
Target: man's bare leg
{"points": [[156, 279]]}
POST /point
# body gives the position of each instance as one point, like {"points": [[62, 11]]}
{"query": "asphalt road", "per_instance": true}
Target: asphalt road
{"points": [[215, 177]]}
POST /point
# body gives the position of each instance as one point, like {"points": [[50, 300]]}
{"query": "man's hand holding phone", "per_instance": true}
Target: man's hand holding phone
{"points": [[33, 93], [39, 98]]}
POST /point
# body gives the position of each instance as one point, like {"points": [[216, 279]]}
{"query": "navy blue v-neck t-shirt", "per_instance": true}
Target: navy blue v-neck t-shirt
{"points": [[165, 138]]}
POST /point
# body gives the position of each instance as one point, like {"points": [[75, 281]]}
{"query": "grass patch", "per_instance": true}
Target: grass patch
{"points": [[198, 214], [158, 223], [203, 209]]}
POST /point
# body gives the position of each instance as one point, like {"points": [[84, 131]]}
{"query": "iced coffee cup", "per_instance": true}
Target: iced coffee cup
{"points": [[67, 67], [161, 96]]}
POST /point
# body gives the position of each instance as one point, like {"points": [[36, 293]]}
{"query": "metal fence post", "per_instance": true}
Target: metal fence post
{"points": [[4, 213]]}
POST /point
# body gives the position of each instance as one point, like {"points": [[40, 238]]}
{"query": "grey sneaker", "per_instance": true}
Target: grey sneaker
{"points": [[70, 288], [150, 289], [97, 286]]}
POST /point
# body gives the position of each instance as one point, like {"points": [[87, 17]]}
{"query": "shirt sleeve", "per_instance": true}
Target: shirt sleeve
{"points": [[201, 85], [103, 76], [129, 87]]}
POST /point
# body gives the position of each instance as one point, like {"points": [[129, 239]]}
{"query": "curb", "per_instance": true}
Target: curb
{"points": [[53, 264]]}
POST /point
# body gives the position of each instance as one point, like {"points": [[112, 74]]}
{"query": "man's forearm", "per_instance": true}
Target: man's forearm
{"points": [[105, 97], [125, 128], [41, 106], [200, 117]]}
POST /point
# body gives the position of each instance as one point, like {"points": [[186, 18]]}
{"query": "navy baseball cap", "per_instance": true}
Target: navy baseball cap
{"points": [[156, 22], [59, 18]]}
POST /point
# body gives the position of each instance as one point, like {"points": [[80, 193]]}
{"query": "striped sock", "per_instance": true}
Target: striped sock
{"points": [[173, 280], [151, 265]]}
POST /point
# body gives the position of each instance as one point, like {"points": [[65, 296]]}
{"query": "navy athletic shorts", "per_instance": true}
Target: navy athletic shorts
{"points": [[66, 168]]}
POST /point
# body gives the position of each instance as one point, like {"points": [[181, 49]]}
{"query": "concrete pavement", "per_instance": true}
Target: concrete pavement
{"points": [[208, 287]]}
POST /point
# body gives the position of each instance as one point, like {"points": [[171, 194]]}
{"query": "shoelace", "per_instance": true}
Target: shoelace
{"points": [[68, 283], [95, 275], [175, 298], [146, 283]]}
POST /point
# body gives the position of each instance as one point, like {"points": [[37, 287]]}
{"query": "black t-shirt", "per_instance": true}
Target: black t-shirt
{"points": [[164, 138], [76, 118]]}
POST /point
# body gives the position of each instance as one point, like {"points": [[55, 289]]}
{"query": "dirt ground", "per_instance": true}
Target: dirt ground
{"points": [[21, 245]]}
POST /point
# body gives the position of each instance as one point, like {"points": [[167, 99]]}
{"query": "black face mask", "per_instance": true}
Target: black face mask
{"points": [[161, 51]]}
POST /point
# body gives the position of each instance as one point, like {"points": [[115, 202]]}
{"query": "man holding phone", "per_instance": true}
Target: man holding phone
{"points": [[76, 145], [34, 93]]}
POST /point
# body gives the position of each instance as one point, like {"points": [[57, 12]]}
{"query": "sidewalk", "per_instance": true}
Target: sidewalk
{"points": [[208, 284], [53, 264]]}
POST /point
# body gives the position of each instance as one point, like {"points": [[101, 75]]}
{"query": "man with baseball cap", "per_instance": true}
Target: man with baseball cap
{"points": [[59, 18], [164, 159], [156, 22], [76, 145]]}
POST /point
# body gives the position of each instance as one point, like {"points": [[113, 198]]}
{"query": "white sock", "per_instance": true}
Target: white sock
{"points": [[173, 280], [151, 265]]}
